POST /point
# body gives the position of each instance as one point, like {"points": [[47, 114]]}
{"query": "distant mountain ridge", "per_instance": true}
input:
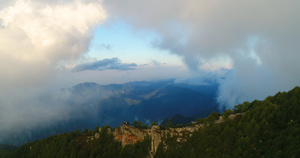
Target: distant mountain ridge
{"points": [[148, 100], [93, 104], [266, 128]]}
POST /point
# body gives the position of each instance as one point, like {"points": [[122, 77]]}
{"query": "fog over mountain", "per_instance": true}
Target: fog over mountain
{"points": [[257, 40], [248, 48], [88, 105]]}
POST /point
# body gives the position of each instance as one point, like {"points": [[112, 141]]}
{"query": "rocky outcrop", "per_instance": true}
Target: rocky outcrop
{"points": [[127, 134], [232, 116], [156, 138]]}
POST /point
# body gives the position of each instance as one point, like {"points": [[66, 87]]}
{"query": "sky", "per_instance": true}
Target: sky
{"points": [[46, 45]]}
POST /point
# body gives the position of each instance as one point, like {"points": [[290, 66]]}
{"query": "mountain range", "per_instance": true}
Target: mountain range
{"points": [[261, 128], [92, 105]]}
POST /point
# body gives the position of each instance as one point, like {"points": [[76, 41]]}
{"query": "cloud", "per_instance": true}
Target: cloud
{"points": [[105, 64], [257, 40], [156, 63], [36, 36]]}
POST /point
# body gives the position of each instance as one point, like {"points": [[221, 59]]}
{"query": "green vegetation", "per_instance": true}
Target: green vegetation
{"points": [[139, 124], [153, 123], [268, 128], [169, 124], [177, 119], [77, 145], [199, 121], [6, 150]]}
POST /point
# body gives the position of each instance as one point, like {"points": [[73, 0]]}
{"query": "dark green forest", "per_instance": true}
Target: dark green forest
{"points": [[75, 145], [267, 128]]}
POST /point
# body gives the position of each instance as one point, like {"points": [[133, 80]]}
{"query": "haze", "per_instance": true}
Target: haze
{"points": [[251, 48]]}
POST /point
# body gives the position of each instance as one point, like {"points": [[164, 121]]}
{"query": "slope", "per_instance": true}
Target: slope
{"points": [[268, 128]]}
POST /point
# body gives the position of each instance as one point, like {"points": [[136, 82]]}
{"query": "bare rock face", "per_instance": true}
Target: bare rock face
{"points": [[156, 138], [97, 135], [220, 120], [127, 134]]}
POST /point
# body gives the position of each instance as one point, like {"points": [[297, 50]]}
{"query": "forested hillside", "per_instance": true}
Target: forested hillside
{"points": [[79, 145], [268, 128], [90, 105]]}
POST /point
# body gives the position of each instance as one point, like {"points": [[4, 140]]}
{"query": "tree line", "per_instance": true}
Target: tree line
{"points": [[267, 128]]}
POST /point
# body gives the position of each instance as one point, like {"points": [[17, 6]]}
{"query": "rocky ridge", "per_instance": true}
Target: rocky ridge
{"points": [[127, 134]]}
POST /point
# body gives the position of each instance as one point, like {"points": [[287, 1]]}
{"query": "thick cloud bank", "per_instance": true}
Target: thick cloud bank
{"points": [[257, 40], [36, 36]]}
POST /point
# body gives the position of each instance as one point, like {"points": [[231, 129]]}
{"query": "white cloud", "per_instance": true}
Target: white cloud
{"points": [[206, 32], [36, 36]]}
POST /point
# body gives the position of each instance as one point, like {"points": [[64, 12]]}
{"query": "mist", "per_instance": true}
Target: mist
{"points": [[36, 38], [249, 47], [257, 41]]}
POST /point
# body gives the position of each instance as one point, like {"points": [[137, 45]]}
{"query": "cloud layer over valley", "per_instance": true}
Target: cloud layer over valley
{"points": [[257, 40], [250, 48], [36, 37]]}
